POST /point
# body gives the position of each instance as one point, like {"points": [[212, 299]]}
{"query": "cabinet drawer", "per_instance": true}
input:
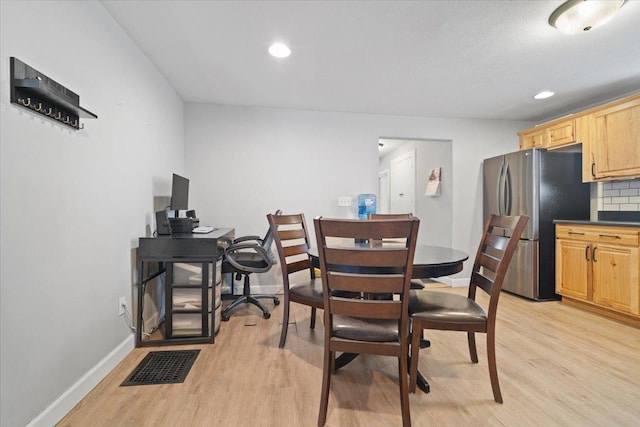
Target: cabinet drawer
{"points": [[191, 273], [624, 236], [187, 324]]}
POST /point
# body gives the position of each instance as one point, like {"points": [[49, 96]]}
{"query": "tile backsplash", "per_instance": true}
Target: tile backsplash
{"points": [[619, 195]]}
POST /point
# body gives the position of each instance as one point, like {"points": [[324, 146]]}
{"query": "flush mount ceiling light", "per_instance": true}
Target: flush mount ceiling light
{"points": [[578, 16], [279, 50], [544, 94]]}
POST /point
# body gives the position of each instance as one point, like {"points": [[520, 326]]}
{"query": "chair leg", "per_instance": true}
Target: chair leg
{"points": [[471, 338], [312, 325], [327, 370], [404, 390], [493, 368], [416, 334], [285, 322]]}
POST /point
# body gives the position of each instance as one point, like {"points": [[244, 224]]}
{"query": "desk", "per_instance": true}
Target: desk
{"points": [[204, 249], [428, 262]]}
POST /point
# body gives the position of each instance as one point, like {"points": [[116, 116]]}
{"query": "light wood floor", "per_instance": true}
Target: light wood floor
{"points": [[558, 366]]}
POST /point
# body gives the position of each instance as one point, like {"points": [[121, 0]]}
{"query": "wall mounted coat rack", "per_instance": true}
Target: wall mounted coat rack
{"points": [[33, 90]]}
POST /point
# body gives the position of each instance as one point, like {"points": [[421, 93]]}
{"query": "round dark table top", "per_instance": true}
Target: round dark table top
{"points": [[429, 261]]}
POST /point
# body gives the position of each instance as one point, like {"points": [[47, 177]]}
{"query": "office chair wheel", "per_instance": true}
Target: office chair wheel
{"points": [[266, 315], [224, 317], [276, 301]]}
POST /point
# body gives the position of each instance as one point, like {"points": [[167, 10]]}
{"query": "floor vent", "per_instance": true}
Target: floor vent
{"points": [[162, 367]]}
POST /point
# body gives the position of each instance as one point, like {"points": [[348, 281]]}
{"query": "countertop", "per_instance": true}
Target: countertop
{"points": [[604, 223]]}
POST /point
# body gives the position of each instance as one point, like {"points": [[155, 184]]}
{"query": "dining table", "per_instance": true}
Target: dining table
{"points": [[429, 262]]}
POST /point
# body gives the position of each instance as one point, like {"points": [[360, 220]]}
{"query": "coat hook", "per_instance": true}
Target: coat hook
{"points": [[39, 107], [81, 126], [48, 113], [67, 120], [59, 115], [27, 103]]}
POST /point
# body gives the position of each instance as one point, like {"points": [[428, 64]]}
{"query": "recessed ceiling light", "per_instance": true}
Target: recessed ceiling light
{"points": [[578, 16], [544, 94], [279, 50]]}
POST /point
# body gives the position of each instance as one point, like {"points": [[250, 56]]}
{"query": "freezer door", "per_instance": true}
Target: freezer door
{"points": [[522, 275], [522, 188]]}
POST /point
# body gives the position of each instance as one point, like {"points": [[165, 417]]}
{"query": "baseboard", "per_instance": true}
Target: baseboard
{"points": [[72, 396], [454, 282]]}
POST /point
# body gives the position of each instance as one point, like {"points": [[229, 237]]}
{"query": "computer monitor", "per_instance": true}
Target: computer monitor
{"points": [[179, 193]]}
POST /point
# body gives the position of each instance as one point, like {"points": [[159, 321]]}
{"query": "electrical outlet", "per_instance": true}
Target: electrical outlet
{"points": [[344, 201], [122, 305]]}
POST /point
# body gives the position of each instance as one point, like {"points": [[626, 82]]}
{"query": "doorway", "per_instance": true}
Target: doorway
{"points": [[435, 213]]}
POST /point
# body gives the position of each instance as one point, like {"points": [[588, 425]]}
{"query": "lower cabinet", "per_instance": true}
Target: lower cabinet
{"points": [[598, 267]]}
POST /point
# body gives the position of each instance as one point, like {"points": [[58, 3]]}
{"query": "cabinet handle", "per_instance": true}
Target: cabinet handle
{"points": [[611, 236], [586, 253], [593, 172], [576, 232], [593, 254]]}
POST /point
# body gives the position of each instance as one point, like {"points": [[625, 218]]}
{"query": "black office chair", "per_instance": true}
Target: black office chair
{"points": [[249, 254]]}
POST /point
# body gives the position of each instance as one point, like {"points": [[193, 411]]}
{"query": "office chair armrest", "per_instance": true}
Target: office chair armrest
{"points": [[247, 238], [232, 250]]}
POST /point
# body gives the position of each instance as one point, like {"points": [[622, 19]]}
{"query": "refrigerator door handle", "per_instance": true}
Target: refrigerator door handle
{"points": [[499, 191], [507, 191]]}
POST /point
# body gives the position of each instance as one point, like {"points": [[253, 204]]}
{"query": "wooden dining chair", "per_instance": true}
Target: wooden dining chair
{"points": [[292, 242], [452, 312], [415, 283], [377, 324], [389, 216]]}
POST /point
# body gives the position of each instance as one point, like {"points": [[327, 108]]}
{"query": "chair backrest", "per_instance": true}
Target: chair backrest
{"points": [[366, 269], [390, 216], [292, 241], [267, 241], [499, 242]]}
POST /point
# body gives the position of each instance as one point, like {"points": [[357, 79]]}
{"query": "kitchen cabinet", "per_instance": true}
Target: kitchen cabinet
{"points": [[608, 136], [598, 268], [614, 148], [533, 138]]}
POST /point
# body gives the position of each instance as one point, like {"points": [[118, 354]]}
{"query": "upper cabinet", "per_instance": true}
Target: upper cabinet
{"points": [[615, 144], [609, 136], [533, 138]]}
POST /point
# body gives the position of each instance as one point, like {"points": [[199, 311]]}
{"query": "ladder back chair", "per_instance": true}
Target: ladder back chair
{"points": [[377, 320], [452, 312]]}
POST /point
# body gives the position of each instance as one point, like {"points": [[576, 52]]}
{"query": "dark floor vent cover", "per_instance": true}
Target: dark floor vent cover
{"points": [[162, 367]]}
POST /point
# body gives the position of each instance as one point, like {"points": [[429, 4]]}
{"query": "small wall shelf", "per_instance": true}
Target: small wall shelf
{"points": [[33, 90]]}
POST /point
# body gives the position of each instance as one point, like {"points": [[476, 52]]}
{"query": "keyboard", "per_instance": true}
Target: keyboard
{"points": [[203, 229]]}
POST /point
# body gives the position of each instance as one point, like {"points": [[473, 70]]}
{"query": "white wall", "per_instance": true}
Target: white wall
{"points": [[75, 202], [244, 162]]}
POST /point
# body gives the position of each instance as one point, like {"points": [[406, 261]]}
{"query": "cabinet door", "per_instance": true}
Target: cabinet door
{"points": [[533, 139], [615, 277], [616, 141], [573, 269], [561, 134]]}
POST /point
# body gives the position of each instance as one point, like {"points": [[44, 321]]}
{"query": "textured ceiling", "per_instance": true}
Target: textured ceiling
{"points": [[468, 59]]}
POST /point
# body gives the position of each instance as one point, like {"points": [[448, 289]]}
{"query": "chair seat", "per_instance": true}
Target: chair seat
{"points": [[310, 290], [248, 259], [445, 307], [376, 330]]}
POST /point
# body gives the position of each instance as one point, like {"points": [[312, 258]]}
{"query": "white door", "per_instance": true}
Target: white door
{"points": [[383, 191], [402, 182]]}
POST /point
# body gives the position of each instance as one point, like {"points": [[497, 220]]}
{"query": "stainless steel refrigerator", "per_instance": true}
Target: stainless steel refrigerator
{"points": [[545, 185]]}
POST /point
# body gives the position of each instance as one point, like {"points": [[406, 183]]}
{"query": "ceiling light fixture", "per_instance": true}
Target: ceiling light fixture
{"points": [[279, 50], [544, 94], [578, 16]]}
